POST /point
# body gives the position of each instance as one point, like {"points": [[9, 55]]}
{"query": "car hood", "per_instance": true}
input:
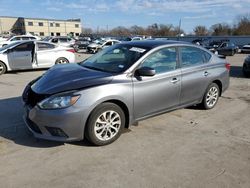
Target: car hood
{"points": [[68, 77]]}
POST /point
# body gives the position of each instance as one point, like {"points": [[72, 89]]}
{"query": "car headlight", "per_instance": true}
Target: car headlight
{"points": [[58, 102]]}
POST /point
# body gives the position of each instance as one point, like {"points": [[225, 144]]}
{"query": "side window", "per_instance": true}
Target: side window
{"points": [[24, 47], [191, 56], [162, 61], [108, 43], [25, 38], [63, 40], [55, 40], [16, 39], [44, 46]]}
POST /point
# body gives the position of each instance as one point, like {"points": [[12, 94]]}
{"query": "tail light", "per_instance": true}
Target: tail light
{"points": [[71, 50], [227, 65]]}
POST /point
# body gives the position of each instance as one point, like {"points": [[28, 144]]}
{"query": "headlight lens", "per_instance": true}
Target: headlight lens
{"points": [[57, 102]]}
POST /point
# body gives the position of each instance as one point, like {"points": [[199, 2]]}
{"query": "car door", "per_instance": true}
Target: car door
{"points": [[160, 92], [195, 73], [21, 56], [45, 54]]}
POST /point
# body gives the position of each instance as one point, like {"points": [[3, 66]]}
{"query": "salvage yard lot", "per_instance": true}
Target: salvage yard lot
{"points": [[184, 148]]}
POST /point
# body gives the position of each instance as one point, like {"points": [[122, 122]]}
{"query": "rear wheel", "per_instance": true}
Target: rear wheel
{"points": [[211, 96], [105, 124], [2, 68], [62, 60]]}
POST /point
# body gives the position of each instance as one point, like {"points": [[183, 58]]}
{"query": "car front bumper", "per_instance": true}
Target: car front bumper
{"points": [[59, 125]]}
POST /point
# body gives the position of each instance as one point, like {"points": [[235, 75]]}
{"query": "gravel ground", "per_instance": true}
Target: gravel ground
{"points": [[184, 148]]}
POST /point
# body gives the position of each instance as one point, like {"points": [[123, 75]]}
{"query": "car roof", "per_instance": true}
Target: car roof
{"points": [[154, 43]]}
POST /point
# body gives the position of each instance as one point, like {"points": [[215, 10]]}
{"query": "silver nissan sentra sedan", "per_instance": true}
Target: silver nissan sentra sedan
{"points": [[119, 86]]}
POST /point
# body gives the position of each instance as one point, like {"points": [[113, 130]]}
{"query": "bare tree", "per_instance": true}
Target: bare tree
{"points": [[243, 25], [221, 29], [137, 30], [120, 31], [87, 31], [200, 30]]}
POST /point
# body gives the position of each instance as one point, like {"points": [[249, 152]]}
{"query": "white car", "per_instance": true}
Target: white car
{"points": [[18, 38], [95, 47], [245, 48], [32, 55], [61, 41]]}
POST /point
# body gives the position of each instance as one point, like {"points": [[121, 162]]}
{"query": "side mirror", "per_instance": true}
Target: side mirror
{"points": [[145, 71]]}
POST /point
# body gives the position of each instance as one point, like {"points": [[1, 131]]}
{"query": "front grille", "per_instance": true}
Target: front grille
{"points": [[33, 126], [31, 98]]}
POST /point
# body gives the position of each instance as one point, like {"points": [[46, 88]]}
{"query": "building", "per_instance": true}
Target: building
{"points": [[40, 27]]}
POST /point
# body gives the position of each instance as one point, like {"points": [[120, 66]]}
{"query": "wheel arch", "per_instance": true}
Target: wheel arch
{"points": [[7, 68], [219, 83], [119, 103]]}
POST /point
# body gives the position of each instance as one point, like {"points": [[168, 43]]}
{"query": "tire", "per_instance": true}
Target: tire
{"points": [[3, 68], [211, 96], [244, 70], [62, 60], [105, 120]]}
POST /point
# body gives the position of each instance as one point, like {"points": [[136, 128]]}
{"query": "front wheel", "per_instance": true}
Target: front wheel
{"points": [[105, 124], [62, 60], [211, 96]]}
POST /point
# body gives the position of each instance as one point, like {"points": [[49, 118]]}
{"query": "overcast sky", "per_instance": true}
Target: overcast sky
{"points": [[112, 13]]}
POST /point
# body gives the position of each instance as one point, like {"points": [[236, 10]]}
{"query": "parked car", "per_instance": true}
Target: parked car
{"points": [[95, 47], [32, 55], [245, 48], [82, 43], [225, 48], [18, 38], [246, 67], [61, 41], [119, 86]]}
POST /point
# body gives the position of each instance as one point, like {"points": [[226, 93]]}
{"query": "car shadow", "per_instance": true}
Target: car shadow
{"points": [[13, 128], [236, 72]]}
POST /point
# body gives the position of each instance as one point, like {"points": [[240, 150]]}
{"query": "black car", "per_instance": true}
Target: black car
{"points": [[246, 67], [82, 43], [225, 48]]}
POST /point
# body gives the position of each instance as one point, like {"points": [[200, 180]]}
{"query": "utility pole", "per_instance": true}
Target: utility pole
{"points": [[179, 29], [1, 26]]}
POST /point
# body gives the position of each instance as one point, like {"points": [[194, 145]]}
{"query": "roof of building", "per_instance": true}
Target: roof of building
{"points": [[46, 19]]}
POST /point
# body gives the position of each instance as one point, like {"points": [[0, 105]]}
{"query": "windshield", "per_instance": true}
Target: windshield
{"points": [[101, 42], [115, 59], [9, 46]]}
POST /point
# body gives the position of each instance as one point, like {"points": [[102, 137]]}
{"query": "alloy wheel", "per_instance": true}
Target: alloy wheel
{"points": [[212, 96], [107, 125]]}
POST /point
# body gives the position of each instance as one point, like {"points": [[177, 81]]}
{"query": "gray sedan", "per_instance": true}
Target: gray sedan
{"points": [[119, 86]]}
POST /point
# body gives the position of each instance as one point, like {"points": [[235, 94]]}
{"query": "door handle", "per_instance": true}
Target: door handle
{"points": [[174, 80], [206, 73]]}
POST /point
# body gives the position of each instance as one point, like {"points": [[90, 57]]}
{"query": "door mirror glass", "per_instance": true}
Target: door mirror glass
{"points": [[145, 71]]}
